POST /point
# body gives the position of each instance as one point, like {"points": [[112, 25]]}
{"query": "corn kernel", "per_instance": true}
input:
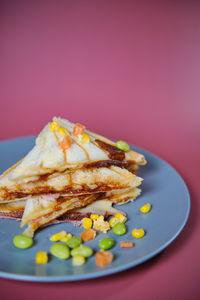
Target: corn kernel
{"points": [[94, 217], [87, 223], [58, 236], [53, 126], [120, 217], [138, 233], [66, 238], [84, 138], [41, 257], [78, 260], [113, 222], [63, 131], [145, 208]]}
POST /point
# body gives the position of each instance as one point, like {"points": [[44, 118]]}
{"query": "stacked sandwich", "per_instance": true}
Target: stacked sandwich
{"points": [[70, 172]]}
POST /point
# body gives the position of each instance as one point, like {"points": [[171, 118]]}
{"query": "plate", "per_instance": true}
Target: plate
{"points": [[163, 187]]}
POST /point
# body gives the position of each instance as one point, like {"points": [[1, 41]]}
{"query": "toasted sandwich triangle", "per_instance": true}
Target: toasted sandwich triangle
{"points": [[47, 155]]}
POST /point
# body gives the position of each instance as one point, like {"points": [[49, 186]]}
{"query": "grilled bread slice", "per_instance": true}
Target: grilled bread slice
{"points": [[72, 183]]}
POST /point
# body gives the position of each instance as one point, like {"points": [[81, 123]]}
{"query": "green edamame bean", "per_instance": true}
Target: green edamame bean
{"points": [[61, 251], [106, 243], [22, 241], [122, 146], [74, 242], [119, 229], [82, 250]]}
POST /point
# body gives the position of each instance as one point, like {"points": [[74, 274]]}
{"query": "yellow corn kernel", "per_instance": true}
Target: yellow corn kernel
{"points": [[78, 260], [87, 223], [94, 217], [66, 238], [53, 126], [63, 131], [41, 257], [84, 138], [113, 222], [138, 233], [145, 208], [120, 217], [58, 236]]}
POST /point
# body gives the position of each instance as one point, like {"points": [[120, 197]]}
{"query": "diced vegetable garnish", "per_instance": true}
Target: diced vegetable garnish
{"points": [[86, 223], [66, 143], [41, 257], [122, 146], [113, 221], [119, 229], [126, 244], [138, 233], [106, 243], [104, 258], [82, 250], [78, 129], [63, 131], [88, 235], [54, 126], [61, 251], [22, 241], [58, 236], [84, 138], [94, 216], [145, 208], [120, 217], [78, 260], [74, 242], [66, 237]]}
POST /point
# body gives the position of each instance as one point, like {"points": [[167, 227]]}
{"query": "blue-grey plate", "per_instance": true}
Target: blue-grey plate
{"points": [[163, 187]]}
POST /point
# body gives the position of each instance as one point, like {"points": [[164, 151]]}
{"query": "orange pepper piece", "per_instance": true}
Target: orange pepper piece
{"points": [[66, 143], [78, 129], [104, 258], [127, 244], [88, 235]]}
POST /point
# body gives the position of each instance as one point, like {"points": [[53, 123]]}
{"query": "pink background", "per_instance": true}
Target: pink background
{"points": [[129, 72]]}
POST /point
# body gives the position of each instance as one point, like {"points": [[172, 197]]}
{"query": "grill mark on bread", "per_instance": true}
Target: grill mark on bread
{"points": [[101, 187], [21, 191]]}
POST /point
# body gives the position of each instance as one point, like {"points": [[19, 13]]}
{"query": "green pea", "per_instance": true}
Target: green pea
{"points": [[122, 146], [22, 241], [119, 229], [106, 243], [74, 242], [82, 250], [61, 251]]}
